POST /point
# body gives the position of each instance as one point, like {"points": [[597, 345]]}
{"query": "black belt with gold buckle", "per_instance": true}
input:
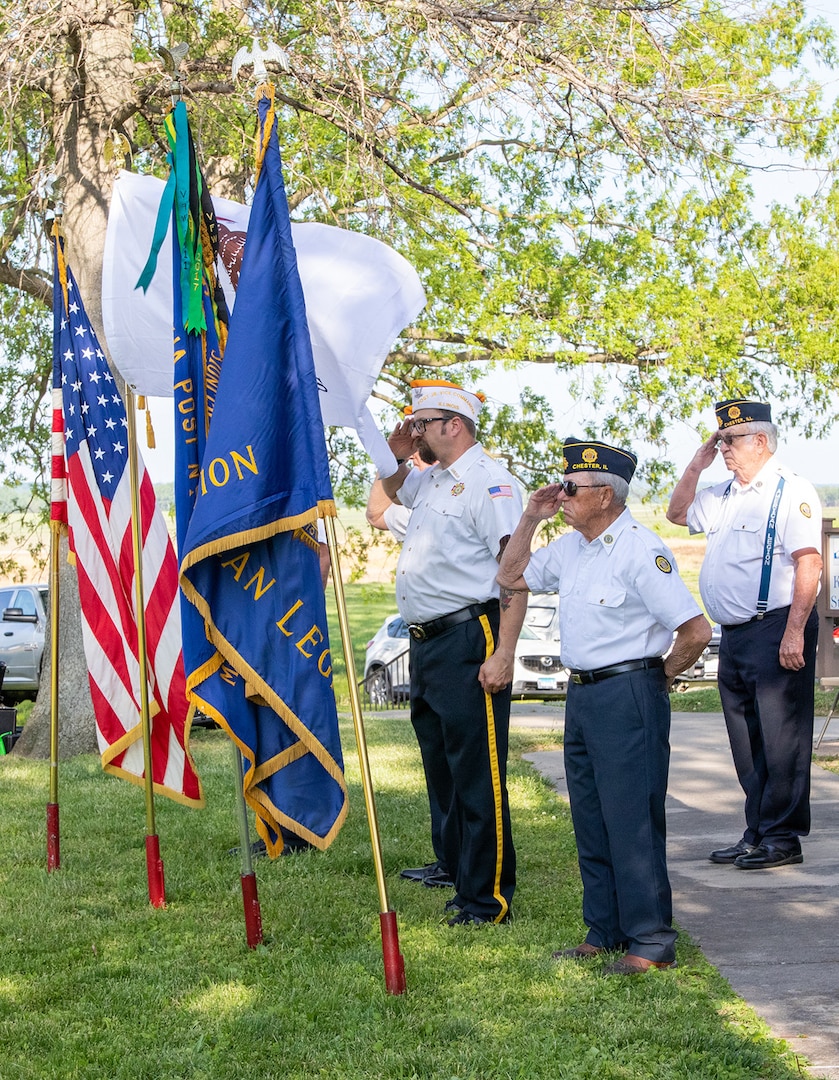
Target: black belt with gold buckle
{"points": [[598, 674], [424, 631]]}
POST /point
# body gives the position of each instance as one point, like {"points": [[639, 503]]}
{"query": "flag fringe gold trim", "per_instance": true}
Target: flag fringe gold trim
{"points": [[263, 137], [134, 735], [255, 797], [324, 508]]}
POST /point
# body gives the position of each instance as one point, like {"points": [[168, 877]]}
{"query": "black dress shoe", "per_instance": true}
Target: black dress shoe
{"points": [[466, 918], [258, 850], [439, 879], [417, 873], [766, 857], [729, 854]]}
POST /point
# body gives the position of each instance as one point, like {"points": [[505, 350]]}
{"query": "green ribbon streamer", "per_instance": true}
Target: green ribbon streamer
{"points": [[176, 197]]}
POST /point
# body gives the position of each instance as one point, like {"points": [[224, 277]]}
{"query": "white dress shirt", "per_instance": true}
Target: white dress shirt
{"points": [[620, 595], [734, 517], [459, 517]]}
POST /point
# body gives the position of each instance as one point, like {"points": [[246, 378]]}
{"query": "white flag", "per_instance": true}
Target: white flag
{"points": [[360, 294]]}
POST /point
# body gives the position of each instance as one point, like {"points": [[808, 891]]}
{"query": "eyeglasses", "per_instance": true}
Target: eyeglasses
{"points": [[419, 425], [729, 439], [571, 488]]}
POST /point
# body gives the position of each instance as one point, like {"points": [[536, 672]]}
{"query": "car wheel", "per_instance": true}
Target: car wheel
{"points": [[377, 685]]}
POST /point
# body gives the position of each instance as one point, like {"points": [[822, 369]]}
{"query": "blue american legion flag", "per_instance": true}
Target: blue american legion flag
{"points": [[260, 664], [88, 409]]}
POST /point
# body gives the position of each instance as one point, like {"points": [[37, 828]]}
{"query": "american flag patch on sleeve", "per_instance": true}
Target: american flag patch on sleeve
{"points": [[501, 491]]}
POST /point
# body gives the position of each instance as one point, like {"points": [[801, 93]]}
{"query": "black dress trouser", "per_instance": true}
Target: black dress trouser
{"points": [[769, 715], [463, 736]]}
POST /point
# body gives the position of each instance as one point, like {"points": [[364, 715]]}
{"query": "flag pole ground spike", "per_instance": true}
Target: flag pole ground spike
{"points": [[250, 899], [394, 962], [53, 833], [154, 863]]}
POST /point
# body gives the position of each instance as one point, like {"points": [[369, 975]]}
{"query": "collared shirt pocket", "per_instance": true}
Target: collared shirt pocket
{"points": [[451, 508], [610, 604]]}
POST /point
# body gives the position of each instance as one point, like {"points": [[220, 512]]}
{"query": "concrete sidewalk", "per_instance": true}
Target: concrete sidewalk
{"points": [[774, 934]]}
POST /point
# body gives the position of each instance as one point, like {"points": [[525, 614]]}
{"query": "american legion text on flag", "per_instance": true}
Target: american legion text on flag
{"points": [[88, 409], [261, 665]]}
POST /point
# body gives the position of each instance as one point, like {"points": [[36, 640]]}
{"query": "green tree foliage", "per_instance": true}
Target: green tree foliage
{"points": [[571, 181]]}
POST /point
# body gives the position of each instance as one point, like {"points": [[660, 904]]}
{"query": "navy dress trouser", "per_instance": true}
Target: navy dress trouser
{"points": [[617, 757], [463, 737], [769, 715]]}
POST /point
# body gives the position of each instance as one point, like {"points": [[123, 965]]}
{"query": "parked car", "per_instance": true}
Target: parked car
{"points": [[386, 679], [23, 623], [538, 670], [705, 667], [711, 655], [542, 615]]}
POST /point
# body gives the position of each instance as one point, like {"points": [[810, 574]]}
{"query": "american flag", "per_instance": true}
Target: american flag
{"points": [[88, 406]]}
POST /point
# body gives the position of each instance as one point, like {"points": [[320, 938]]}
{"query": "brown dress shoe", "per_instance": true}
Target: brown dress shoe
{"points": [[579, 952], [635, 965]]}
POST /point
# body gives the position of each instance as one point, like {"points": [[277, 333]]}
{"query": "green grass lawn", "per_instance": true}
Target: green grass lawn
{"points": [[95, 984]]}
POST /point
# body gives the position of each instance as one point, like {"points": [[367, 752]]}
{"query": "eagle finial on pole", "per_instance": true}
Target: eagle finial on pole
{"points": [[259, 57], [172, 59]]}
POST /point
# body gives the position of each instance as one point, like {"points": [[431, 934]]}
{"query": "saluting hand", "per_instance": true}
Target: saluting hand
{"points": [[706, 453], [545, 503], [401, 440]]}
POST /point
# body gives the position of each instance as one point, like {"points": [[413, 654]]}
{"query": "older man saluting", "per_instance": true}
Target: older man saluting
{"points": [[621, 600], [759, 580]]}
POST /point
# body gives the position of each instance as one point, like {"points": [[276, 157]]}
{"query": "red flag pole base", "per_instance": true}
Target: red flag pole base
{"points": [[253, 915], [154, 867], [53, 852], [394, 960]]}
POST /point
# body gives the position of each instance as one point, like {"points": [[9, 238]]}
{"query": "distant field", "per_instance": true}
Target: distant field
{"points": [[367, 556]]}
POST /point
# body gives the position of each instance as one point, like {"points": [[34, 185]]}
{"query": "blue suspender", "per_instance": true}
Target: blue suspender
{"points": [[768, 548]]}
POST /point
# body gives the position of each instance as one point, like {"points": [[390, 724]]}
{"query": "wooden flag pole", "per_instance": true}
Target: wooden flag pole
{"points": [[154, 863], [53, 834], [393, 960], [253, 913]]}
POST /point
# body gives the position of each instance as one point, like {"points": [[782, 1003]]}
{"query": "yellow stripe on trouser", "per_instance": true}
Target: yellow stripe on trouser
{"points": [[495, 775]]}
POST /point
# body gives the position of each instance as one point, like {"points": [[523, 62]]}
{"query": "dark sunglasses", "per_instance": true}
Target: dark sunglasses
{"points": [[729, 439], [571, 488]]}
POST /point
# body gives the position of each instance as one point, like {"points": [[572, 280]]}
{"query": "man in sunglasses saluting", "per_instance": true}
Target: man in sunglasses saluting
{"points": [[620, 602], [759, 580]]}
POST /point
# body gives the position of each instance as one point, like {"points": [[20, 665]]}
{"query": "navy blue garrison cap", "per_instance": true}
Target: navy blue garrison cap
{"points": [[587, 455], [739, 411]]}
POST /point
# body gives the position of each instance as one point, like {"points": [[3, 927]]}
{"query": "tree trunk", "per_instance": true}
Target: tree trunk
{"points": [[87, 92], [77, 732]]}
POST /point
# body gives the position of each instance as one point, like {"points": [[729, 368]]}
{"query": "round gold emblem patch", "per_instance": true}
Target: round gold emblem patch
{"points": [[663, 565], [458, 488], [733, 412], [805, 510], [563, 465], [589, 455]]}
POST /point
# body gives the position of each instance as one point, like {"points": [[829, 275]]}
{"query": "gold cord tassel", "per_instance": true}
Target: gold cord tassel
{"points": [[150, 443]]}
